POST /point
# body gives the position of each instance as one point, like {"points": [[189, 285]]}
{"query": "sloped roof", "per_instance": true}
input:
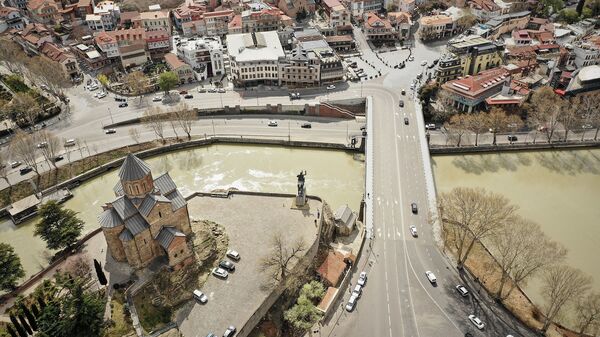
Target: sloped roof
{"points": [[109, 218], [165, 184], [177, 200], [149, 201], [124, 207], [173, 61], [118, 189], [133, 168], [332, 268], [136, 224], [125, 235], [166, 236]]}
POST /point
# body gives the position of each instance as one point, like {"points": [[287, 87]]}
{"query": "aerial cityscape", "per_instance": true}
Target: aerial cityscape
{"points": [[299, 168]]}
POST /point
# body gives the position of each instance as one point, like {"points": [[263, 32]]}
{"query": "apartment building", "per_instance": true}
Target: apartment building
{"points": [[19, 4], [154, 20], [131, 45], [436, 26], [378, 29], [300, 68], [188, 12], [32, 37], [63, 57], [587, 51], [105, 16], [254, 58], [292, 7], [337, 14], [204, 55], [184, 71], [217, 23], [107, 44], [402, 24], [158, 43], [259, 20], [473, 53], [10, 18], [44, 11], [359, 7]]}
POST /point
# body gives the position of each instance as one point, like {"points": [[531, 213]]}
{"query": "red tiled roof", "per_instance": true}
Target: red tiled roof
{"points": [[236, 22], [399, 17], [55, 53], [128, 16], [103, 37], [332, 268], [4, 11], [326, 301], [339, 38], [226, 12], [331, 3], [373, 19], [486, 5], [173, 61], [474, 85]]}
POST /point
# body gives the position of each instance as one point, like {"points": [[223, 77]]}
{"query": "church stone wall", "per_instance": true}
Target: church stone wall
{"points": [[179, 253], [145, 243], [138, 188], [181, 220], [161, 215], [133, 257], [114, 243]]}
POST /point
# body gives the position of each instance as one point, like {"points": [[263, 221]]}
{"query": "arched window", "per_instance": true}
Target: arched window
{"points": [[159, 215]]}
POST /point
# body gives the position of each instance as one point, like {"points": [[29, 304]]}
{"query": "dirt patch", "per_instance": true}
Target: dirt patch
{"points": [[169, 290], [120, 323]]}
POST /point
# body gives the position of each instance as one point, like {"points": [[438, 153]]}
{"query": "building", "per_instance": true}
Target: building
{"points": [[332, 69], [504, 24], [407, 6], [32, 37], [131, 45], [19, 4], [378, 29], [105, 16], [187, 12], [184, 71], [485, 10], [585, 81], [148, 219], [63, 57], [341, 43], [359, 7], [10, 18], [155, 20], [204, 55], [436, 27], [254, 58], [90, 56], [587, 51], [469, 93], [402, 24], [344, 220], [107, 44], [259, 20], [337, 14], [473, 53], [292, 7], [217, 23], [300, 68], [158, 43], [43, 11]]}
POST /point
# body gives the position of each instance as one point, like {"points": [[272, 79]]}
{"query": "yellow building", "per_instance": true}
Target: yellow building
{"points": [[468, 56]]}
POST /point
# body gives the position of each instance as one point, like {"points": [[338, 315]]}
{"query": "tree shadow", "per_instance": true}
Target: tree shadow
{"points": [[569, 162], [479, 164]]}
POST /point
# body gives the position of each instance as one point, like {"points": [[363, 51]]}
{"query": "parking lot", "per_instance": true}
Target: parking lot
{"points": [[250, 222]]}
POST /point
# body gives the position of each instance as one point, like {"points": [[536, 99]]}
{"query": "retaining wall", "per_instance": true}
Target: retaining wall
{"points": [[441, 150]]}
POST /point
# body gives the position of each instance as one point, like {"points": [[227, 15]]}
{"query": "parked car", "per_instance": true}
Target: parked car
{"points": [[306, 126], [423, 63], [414, 208], [401, 103], [157, 98], [201, 90], [405, 120], [411, 58], [462, 290], [120, 99], [188, 96], [183, 92], [477, 322], [210, 334], [430, 126], [512, 138], [431, 66], [229, 332], [272, 123], [69, 142], [403, 92], [330, 87], [234, 255], [200, 296], [294, 95], [587, 126], [431, 277], [221, 90], [15, 164], [220, 272], [351, 303], [110, 131], [42, 145], [101, 94], [123, 105], [212, 90], [228, 265], [413, 231], [58, 158], [362, 279], [25, 170], [357, 291]]}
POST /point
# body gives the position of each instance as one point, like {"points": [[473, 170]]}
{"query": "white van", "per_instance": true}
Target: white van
{"points": [[70, 142]]}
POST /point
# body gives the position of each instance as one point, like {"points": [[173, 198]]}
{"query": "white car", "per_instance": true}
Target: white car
{"points": [[42, 145], [424, 63], [200, 296], [234, 255], [477, 322], [362, 279], [351, 303], [430, 126], [220, 272], [272, 123], [431, 277], [157, 98], [330, 87], [15, 164], [462, 290], [413, 231], [101, 94], [92, 87], [357, 291]]}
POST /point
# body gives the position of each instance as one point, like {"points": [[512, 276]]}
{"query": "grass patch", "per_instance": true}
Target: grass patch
{"points": [[121, 320]]}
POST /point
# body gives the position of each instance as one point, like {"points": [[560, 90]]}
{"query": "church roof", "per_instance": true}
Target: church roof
{"points": [[109, 218], [125, 235], [124, 207], [149, 201], [177, 200], [165, 184], [136, 224], [166, 236], [133, 168]]}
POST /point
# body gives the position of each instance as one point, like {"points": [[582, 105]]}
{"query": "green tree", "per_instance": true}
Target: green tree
{"points": [[568, 15], [313, 290], [303, 315], [103, 80], [11, 269], [546, 7], [59, 227], [167, 81]]}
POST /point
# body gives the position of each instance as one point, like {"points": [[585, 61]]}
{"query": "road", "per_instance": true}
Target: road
{"points": [[398, 300]]}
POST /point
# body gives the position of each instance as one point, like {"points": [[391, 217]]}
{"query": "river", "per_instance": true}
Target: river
{"points": [[560, 190], [336, 176]]}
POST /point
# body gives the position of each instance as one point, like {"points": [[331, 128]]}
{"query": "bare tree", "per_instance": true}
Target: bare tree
{"points": [[471, 215], [522, 249], [137, 81], [154, 121], [588, 312], [279, 261], [589, 109], [185, 117], [49, 73], [11, 55], [498, 121], [25, 107], [4, 173], [546, 110], [23, 146], [477, 123], [134, 133], [562, 285], [51, 148], [458, 125], [174, 124], [570, 116]]}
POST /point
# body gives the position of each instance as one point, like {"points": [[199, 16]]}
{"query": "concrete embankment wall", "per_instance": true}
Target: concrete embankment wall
{"points": [[451, 150]]}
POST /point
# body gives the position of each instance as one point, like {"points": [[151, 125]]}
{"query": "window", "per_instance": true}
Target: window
{"points": [[159, 214]]}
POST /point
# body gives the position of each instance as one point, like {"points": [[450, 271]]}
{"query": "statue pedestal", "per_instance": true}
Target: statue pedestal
{"points": [[300, 200]]}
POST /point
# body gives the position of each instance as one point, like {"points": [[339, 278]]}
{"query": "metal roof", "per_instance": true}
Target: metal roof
{"points": [[149, 201], [165, 184], [166, 236], [136, 224], [109, 219], [177, 200], [124, 207], [133, 168], [125, 235], [118, 189]]}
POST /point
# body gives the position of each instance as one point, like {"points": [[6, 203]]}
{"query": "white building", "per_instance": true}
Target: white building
{"points": [[204, 55], [254, 58], [105, 17], [587, 51]]}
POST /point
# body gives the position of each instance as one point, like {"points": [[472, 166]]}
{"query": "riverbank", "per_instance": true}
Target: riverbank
{"points": [[517, 147]]}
